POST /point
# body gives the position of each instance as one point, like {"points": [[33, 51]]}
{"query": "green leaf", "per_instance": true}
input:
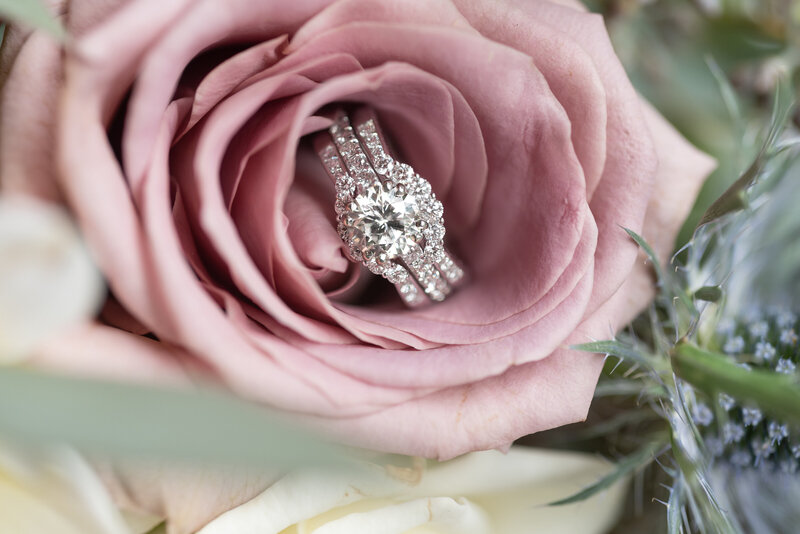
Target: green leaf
{"points": [[675, 508], [627, 465], [663, 280], [627, 386], [738, 39], [651, 255], [622, 351], [774, 393], [123, 420], [32, 13], [613, 425], [611, 347], [161, 528], [708, 293], [726, 90], [735, 197]]}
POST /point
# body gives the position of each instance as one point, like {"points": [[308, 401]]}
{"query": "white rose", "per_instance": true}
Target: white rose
{"points": [[479, 493], [57, 492], [47, 280]]}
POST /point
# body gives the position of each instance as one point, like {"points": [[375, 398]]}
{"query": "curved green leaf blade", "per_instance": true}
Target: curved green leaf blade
{"points": [[32, 13], [125, 420], [774, 393], [627, 465]]}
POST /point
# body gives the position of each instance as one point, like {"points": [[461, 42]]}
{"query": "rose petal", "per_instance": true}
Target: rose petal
{"points": [[236, 20], [489, 413], [630, 164], [100, 351], [225, 77], [553, 236], [27, 107], [189, 497], [569, 70], [83, 15]]}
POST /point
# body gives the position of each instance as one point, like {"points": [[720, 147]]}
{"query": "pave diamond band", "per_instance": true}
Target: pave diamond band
{"points": [[389, 218]]}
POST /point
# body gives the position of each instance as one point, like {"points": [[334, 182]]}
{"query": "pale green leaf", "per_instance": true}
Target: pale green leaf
{"points": [[118, 420], [624, 467], [728, 93], [708, 293], [651, 255], [32, 13], [613, 425], [735, 198], [675, 508], [622, 351], [625, 387]]}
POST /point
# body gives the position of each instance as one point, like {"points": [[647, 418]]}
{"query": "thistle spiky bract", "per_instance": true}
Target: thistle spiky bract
{"points": [[718, 359]]}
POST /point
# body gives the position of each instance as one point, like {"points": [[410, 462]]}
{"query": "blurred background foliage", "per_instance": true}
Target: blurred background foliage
{"points": [[678, 52]]}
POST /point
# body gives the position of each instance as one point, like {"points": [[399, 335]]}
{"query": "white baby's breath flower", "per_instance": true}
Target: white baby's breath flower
{"points": [[47, 280], [482, 493]]}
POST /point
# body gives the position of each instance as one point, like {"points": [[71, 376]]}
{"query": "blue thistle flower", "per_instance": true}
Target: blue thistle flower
{"points": [[764, 351], [744, 438]]}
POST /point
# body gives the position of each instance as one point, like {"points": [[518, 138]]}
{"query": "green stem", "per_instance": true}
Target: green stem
{"points": [[776, 394]]}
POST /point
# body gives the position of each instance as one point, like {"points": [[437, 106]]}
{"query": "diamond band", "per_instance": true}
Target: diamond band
{"points": [[389, 218]]}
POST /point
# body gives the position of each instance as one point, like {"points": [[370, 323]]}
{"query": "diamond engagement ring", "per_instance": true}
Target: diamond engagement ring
{"points": [[389, 219]]}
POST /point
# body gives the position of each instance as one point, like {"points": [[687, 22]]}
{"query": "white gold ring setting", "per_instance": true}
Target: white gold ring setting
{"points": [[388, 217]]}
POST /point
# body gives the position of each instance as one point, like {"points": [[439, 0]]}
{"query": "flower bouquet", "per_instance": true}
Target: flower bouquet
{"points": [[358, 266]]}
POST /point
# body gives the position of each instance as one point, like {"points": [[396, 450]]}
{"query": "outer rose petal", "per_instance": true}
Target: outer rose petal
{"points": [[30, 75], [28, 105], [682, 170], [629, 165], [104, 352], [187, 497]]}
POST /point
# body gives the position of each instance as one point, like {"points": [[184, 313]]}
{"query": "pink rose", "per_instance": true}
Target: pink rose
{"points": [[173, 131]]}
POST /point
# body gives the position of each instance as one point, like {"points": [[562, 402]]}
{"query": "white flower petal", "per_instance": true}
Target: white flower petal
{"points": [[514, 489], [299, 496], [55, 492], [47, 280], [479, 492], [443, 515]]}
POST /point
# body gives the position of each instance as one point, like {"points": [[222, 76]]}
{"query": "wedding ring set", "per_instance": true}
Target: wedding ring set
{"points": [[388, 217]]}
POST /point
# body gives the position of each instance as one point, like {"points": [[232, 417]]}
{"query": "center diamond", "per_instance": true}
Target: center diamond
{"points": [[383, 220]]}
